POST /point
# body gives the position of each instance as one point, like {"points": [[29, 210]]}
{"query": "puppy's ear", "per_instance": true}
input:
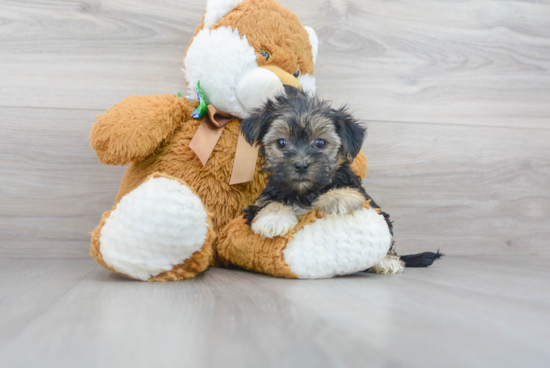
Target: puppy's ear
{"points": [[257, 124], [350, 131]]}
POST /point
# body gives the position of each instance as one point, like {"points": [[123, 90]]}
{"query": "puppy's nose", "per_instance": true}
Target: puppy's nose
{"points": [[301, 167]]}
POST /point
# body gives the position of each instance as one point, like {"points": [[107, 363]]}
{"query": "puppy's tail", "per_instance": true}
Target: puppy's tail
{"points": [[421, 259]]}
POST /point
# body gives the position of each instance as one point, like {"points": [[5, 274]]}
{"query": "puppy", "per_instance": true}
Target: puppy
{"points": [[306, 147]]}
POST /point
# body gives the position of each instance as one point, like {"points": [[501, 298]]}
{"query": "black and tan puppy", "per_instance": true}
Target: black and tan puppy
{"points": [[307, 147]]}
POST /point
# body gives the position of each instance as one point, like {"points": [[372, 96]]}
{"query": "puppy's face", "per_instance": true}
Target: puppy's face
{"points": [[301, 151], [303, 140]]}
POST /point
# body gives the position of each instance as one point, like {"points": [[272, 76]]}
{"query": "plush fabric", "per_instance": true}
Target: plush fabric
{"points": [[269, 26], [238, 39], [314, 41], [318, 247], [220, 80], [217, 9], [134, 128], [308, 83], [182, 267], [326, 249], [168, 201], [161, 216]]}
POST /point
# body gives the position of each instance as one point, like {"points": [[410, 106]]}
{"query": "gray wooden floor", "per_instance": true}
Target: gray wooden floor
{"points": [[456, 96], [464, 312]]}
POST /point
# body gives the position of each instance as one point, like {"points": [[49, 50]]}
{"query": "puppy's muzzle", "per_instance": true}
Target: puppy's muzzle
{"points": [[301, 167]]}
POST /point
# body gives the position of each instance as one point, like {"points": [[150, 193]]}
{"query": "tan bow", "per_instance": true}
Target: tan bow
{"points": [[206, 137]]}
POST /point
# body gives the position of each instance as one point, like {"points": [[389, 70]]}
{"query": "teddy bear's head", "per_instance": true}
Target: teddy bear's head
{"points": [[246, 50]]}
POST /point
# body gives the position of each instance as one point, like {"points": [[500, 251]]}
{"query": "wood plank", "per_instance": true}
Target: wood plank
{"points": [[53, 189], [465, 190], [29, 287], [91, 55], [459, 62], [461, 312]]}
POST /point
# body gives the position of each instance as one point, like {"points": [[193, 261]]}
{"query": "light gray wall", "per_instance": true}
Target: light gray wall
{"points": [[456, 96]]}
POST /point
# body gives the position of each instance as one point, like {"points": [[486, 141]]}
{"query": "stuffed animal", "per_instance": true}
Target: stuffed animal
{"points": [[191, 173]]}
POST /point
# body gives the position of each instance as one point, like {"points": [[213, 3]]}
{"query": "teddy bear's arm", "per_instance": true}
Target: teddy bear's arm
{"points": [[359, 165], [136, 127]]}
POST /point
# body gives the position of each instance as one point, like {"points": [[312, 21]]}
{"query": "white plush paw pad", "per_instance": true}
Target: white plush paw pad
{"points": [[156, 226], [277, 221], [338, 245]]}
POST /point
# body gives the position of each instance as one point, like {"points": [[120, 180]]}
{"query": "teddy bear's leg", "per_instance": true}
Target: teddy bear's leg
{"points": [[339, 245], [159, 231], [320, 246]]}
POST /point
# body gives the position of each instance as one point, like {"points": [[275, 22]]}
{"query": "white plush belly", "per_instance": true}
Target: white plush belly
{"points": [[338, 245], [156, 226]]}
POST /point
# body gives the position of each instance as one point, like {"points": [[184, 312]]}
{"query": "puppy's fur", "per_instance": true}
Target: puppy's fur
{"points": [[312, 170]]}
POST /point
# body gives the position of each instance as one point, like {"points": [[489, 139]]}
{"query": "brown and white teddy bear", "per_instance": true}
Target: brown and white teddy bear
{"points": [[189, 177]]}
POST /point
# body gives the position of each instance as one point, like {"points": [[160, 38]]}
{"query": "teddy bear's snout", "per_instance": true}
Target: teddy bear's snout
{"points": [[284, 77], [261, 83]]}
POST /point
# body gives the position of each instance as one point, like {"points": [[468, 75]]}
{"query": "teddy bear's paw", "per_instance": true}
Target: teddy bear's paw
{"points": [[390, 265], [338, 245], [339, 201], [158, 225], [273, 220]]}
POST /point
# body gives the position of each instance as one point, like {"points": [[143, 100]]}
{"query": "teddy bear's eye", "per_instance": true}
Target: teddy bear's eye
{"points": [[265, 54], [297, 73]]}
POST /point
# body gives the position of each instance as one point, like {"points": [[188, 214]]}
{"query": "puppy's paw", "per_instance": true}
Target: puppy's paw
{"points": [[273, 220], [339, 201], [390, 265]]}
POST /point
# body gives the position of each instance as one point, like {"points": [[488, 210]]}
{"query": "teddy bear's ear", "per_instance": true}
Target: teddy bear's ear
{"points": [[314, 42], [217, 9]]}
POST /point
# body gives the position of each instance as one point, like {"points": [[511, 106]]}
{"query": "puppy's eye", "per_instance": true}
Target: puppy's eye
{"points": [[265, 54], [281, 143], [320, 143], [297, 73]]}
